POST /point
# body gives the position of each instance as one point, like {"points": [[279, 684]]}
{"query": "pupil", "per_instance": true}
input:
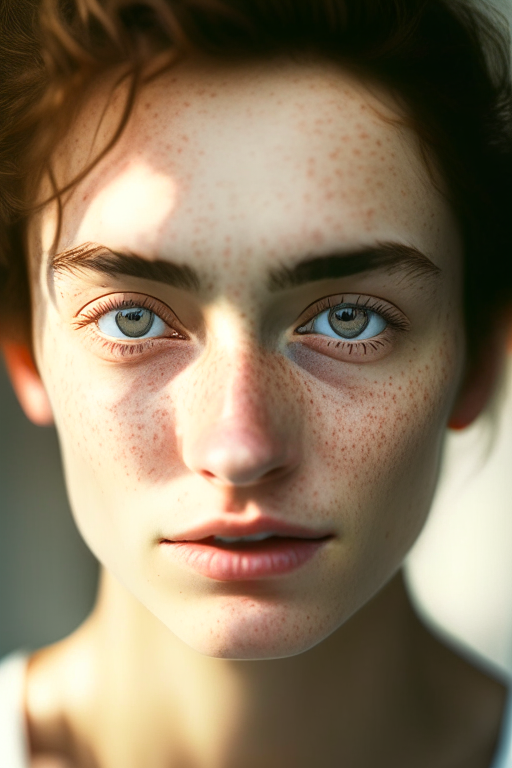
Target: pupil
{"points": [[348, 322], [134, 322]]}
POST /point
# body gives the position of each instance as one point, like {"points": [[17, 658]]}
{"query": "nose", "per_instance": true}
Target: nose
{"points": [[240, 429], [232, 452]]}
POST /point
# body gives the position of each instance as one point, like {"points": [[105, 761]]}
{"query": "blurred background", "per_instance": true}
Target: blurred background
{"points": [[459, 572], [460, 569], [47, 575]]}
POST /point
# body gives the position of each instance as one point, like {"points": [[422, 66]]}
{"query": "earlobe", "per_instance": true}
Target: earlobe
{"points": [[27, 383], [480, 383]]}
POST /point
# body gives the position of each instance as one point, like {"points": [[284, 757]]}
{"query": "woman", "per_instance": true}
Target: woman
{"points": [[267, 256]]}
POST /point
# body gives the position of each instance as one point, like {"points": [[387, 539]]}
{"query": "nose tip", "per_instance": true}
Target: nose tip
{"points": [[238, 457]]}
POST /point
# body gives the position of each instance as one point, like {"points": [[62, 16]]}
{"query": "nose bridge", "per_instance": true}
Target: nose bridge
{"points": [[232, 386], [236, 425], [233, 378], [245, 387]]}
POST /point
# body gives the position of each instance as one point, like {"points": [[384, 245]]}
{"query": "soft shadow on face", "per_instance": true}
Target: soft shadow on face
{"points": [[234, 172]]}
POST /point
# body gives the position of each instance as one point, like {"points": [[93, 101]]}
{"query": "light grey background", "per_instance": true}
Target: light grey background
{"points": [[47, 575]]}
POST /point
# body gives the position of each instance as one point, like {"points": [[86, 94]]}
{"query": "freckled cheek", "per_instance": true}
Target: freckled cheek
{"points": [[376, 432], [119, 426]]}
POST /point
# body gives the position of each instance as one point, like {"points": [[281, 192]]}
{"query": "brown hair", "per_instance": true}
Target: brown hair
{"points": [[448, 62]]}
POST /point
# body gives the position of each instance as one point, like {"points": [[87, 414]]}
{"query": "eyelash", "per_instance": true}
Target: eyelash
{"points": [[127, 348], [395, 320]]}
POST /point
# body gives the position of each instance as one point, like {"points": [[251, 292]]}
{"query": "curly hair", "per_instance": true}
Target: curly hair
{"points": [[445, 59]]}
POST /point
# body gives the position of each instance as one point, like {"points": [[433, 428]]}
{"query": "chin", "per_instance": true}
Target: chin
{"points": [[250, 629]]}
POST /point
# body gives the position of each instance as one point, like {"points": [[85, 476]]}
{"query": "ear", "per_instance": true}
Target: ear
{"points": [[480, 381], [27, 383]]}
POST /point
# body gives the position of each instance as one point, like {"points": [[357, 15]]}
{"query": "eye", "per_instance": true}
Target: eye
{"points": [[131, 323], [346, 321]]}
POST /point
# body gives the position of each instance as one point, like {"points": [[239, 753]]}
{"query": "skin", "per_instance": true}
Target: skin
{"points": [[235, 171]]}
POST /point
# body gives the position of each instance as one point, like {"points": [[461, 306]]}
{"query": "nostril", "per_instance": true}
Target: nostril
{"points": [[275, 472], [244, 478], [234, 456]]}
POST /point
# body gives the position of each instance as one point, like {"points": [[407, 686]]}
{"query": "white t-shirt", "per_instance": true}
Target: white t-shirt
{"points": [[13, 738]]}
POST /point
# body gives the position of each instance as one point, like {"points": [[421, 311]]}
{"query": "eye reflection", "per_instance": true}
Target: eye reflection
{"points": [[134, 322], [347, 321], [131, 323]]}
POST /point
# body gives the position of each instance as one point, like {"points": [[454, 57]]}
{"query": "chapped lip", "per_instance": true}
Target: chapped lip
{"points": [[262, 524]]}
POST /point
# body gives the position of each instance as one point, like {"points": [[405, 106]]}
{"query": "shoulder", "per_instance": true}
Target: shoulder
{"points": [[15, 749], [465, 702], [503, 754], [13, 737]]}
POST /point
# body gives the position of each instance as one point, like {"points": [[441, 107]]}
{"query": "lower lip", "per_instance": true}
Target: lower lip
{"points": [[272, 557]]}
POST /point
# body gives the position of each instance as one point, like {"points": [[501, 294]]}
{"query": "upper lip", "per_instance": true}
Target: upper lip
{"points": [[262, 524]]}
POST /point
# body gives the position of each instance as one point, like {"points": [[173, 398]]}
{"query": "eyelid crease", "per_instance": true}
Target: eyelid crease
{"points": [[388, 311], [104, 305]]}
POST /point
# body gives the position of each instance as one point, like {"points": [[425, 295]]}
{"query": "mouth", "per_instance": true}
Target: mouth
{"points": [[253, 556]]}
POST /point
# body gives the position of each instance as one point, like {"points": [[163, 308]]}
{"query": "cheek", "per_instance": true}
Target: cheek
{"points": [[119, 425], [375, 440]]}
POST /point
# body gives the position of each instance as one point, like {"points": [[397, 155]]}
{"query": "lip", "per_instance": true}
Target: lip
{"points": [[250, 561], [261, 524]]}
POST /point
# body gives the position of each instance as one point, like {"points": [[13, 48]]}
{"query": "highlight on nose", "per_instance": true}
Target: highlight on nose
{"points": [[233, 455]]}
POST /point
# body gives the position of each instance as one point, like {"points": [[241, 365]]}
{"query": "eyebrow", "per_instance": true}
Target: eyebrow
{"points": [[392, 257], [98, 258]]}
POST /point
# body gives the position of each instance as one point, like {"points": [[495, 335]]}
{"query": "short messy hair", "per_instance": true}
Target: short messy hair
{"points": [[447, 61]]}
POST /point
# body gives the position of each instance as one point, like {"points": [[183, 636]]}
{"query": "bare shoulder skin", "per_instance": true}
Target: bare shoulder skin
{"points": [[253, 327]]}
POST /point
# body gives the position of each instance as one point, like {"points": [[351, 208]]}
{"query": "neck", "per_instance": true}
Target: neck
{"points": [[123, 672], [179, 705]]}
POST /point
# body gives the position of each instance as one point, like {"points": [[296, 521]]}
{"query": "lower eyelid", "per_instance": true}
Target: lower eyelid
{"points": [[126, 350], [123, 348], [367, 350], [111, 349]]}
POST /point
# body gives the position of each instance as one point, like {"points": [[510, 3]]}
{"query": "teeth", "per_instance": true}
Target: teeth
{"points": [[236, 539]]}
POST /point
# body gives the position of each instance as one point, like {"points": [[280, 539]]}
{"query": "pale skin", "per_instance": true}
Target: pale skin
{"points": [[233, 410]]}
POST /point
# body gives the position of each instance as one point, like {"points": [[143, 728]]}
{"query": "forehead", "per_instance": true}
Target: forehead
{"points": [[268, 159]]}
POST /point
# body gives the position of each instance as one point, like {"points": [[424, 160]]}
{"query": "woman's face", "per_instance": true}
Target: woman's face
{"points": [[253, 326]]}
